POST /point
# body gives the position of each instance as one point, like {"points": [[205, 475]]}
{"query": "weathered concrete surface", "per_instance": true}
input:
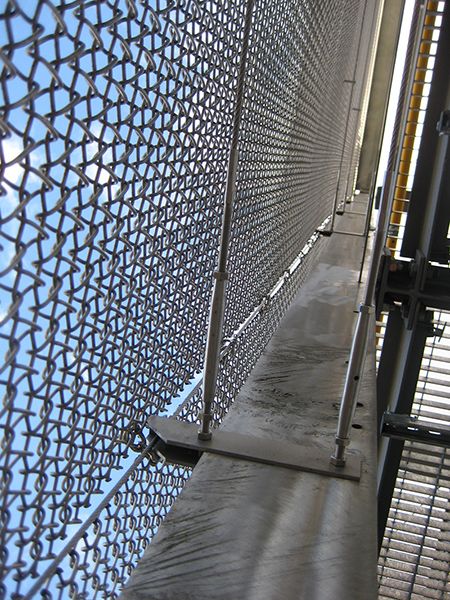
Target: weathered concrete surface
{"points": [[242, 530]]}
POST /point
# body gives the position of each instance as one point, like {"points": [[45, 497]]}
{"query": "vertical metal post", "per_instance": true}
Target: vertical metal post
{"points": [[215, 327], [359, 344], [350, 107], [419, 70], [341, 160], [398, 372], [358, 349], [335, 201], [370, 203], [352, 158], [403, 348]]}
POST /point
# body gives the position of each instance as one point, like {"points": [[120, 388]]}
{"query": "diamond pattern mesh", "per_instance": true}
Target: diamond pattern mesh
{"points": [[115, 124]]}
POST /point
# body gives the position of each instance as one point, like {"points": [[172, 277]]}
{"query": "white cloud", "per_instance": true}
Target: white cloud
{"points": [[96, 171], [12, 148]]}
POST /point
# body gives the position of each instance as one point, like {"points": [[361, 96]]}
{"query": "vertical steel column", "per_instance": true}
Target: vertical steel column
{"points": [[364, 101], [358, 349], [396, 385], [429, 207], [373, 182], [400, 201], [403, 349], [215, 327], [390, 26]]}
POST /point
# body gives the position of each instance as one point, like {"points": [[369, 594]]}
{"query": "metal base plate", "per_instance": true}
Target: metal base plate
{"points": [[272, 452]]}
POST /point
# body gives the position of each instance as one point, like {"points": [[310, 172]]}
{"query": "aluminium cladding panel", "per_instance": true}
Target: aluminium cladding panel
{"points": [[253, 531]]}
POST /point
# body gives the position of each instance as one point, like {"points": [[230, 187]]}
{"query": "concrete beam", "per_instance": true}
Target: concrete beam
{"points": [[246, 530], [384, 65]]}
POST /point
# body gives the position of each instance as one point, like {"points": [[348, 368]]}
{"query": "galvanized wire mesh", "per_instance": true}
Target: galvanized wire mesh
{"points": [[115, 126]]}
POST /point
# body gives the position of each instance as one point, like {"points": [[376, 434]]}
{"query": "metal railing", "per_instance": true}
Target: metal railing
{"points": [[115, 126]]}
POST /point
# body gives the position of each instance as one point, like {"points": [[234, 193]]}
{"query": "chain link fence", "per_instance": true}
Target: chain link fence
{"points": [[115, 123]]}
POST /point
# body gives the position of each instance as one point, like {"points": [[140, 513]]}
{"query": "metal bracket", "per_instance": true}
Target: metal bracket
{"points": [[415, 284], [325, 232], [405, 427], [443, 125], [179, 443]]}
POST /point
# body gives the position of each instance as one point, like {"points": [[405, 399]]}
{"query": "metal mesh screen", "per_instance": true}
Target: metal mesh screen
{"points": [[115, 125]]}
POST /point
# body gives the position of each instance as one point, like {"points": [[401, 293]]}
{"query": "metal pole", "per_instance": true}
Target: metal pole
{"points": [[358, 349], [373, 183], [350, 108], [341, 162], [215, 327], [420, 68], [350, 169], [333, 210], [367, 221]]}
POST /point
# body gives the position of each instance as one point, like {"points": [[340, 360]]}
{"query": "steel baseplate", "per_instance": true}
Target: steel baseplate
{"points": [[180, 444]]}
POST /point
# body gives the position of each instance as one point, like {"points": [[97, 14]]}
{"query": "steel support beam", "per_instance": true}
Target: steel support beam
{"points": [[178, 439], [398, 372], [414, 284], [429, 207], [417, 285], [405, 427]]}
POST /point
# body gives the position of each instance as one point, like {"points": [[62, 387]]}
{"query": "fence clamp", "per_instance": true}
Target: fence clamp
{"points": [[134, 437], [415, 284]]}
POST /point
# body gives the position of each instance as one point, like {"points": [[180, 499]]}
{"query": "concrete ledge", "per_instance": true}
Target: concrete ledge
{"points": [[243, 530]]}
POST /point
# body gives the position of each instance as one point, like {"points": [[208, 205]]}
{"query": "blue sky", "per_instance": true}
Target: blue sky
{"points": [[57, 177]]}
